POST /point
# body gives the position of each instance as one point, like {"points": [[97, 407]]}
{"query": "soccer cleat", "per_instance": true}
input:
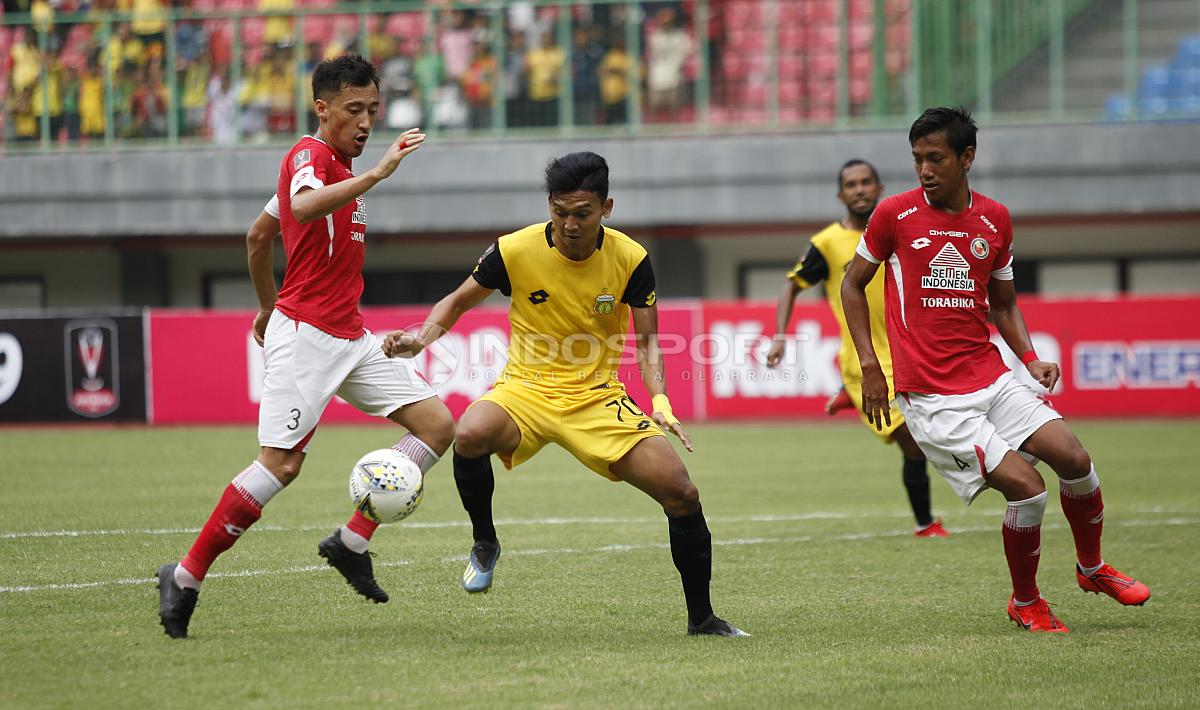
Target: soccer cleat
{"points": [[715, 626], [477, 577], [1108, 580], [1035, 617], [933, 529], [838, 402], [175, 603], [355, 567]]}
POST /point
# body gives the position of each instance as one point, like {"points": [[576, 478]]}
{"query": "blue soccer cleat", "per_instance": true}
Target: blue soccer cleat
{"points": [[477, 577]]}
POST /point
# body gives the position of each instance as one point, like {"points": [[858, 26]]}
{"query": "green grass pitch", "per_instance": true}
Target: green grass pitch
{"points": [[814, 557]]}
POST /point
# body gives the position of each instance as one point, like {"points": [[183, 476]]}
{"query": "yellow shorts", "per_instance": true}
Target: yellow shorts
{"points": [[854, 389], [597, 426]]}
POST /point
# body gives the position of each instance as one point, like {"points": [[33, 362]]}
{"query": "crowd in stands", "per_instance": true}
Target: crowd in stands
{"points": [[441, 65]]}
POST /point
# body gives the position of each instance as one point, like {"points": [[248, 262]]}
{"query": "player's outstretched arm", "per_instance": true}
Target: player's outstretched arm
{"points": [[783, 314], [309, 204], [1002, 298], [650, 362], [445, 314], [858, 320], [260, 258]]}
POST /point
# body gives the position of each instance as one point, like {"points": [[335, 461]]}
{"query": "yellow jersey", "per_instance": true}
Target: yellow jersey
{"points": [[569, 319], [828, 257]]}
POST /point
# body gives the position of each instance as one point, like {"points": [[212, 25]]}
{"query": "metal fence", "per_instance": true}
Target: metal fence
{"points": [[233, 71]]}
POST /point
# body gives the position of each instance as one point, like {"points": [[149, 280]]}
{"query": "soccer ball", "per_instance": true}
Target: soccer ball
{"points": [[386, 486]]}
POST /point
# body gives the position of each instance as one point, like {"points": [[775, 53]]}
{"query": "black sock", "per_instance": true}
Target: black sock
{"points": [[475, 485], [916, 482], [691, 549]]}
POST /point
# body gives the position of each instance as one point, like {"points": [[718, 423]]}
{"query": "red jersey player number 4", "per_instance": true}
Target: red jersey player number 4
{"points": [[947, 251]]}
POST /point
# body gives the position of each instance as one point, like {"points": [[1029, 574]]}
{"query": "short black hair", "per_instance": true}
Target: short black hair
{"points": [[333, 75], [850, 164], [956, 121], [578, 171]]}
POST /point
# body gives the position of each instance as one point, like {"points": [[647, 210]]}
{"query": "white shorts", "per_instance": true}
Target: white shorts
{"points": [[306, 367], [965, 436]]}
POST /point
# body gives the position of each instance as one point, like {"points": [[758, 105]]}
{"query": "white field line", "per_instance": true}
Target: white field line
{"points": [[844, 537], [432, 525]]}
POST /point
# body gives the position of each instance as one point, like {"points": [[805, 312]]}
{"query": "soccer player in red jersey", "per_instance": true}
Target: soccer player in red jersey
{"points": [[313, 337], [949, 256]]}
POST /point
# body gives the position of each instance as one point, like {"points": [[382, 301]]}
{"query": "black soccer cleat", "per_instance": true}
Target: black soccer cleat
{"points": [[715, 626], [355, 567], [175, 603]]}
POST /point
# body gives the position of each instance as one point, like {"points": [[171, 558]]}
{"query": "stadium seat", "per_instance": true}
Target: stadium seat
{"points": [[1154, 85], [791, 66], [793, 38], [253, 29], [793, 13], [1117, 107], [1188, 54], [410, 25], [822, 65], [742, 14], [1183, 84]]}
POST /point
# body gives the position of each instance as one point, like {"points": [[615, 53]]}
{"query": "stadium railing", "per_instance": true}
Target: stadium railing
{"points": [[233, 71]]}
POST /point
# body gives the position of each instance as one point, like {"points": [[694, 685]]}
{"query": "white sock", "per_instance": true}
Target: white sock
{"points": [[418, 451], [357, 543], [1089, 571], [1080, 487], [1018, 602], [258, 483], [185, 579]]}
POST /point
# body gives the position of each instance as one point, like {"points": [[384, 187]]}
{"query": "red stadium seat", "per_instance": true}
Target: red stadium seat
{"points": [[405, 24], [318, 29], [792, 67], [861, 34], [791, 93], [742, 14], [253, 29], [793, 12], [823, 38], [822, 65], [747, 40], [793, 38]]}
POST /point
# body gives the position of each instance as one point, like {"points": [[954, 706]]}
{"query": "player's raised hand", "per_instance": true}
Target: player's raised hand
{"points": [[775, 354], [406, 144], [672, 425], [399, 343], [875, 403], [1046, 373], [260, 326]]}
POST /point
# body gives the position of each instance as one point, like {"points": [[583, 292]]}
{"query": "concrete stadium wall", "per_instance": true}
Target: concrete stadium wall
{"points": [[1039, 171]]}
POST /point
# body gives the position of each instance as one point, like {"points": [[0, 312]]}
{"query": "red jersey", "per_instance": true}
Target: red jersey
{"points": [[938, 266], [323, 280]]}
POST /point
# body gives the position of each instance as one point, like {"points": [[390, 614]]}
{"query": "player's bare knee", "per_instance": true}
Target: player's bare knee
{"points": [[284, 470], [436, 430], [683, 498], [470, 442], [1076, 464]]}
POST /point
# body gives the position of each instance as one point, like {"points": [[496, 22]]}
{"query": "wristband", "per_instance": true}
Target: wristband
{"points": [[662, 405], [1028, 357]]}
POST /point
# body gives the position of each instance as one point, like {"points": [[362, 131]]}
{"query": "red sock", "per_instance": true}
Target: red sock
{"points": [[235, 512], [1085, 513], [362, 525], [1023, 549]]}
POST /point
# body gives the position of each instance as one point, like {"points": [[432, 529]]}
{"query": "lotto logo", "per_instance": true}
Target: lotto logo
{"points": [[921, 243]]}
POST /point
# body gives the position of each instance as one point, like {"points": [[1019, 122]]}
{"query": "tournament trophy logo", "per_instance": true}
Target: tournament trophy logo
{"points": [[93, 388]]}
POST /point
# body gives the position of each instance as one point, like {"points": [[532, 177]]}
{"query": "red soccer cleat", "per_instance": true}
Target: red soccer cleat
{"points": [[933, 529], [1036, 617], [838, 402], [1108, 580]]}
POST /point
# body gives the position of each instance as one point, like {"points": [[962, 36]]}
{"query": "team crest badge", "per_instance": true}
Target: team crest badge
{"points": [[979, 247], [302, 158], [605, 304]]}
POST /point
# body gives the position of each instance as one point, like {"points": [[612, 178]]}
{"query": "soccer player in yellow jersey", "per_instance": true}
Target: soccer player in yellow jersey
{"points": [[573, 285], [831, 251]]}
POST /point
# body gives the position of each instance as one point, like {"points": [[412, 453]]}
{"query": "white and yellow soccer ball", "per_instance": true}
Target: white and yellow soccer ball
{"points": [[386, 485]]}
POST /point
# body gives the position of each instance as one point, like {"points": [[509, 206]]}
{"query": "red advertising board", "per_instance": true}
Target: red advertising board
{"points": [[1120, 357]]}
